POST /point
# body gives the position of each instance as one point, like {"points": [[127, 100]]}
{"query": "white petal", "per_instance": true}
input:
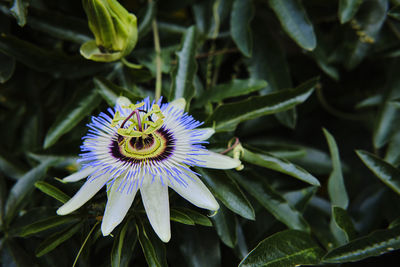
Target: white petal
{"points": [[79, 175], [195, 192], [118, 204], [156, 204], [123, 101], [179, 103], [205, 133], [87, 191], [217, 161]]}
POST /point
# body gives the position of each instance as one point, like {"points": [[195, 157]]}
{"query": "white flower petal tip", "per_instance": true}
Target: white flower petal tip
{"points": [[123, 101], [79, 175], [214, 160], [195, 192], [156, 203], [179, 103], [117, 207], [205, 133], [86, 192]]}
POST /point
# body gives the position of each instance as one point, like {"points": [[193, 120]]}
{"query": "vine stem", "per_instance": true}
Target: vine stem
{"points": [[157, 49], [84, 243]]}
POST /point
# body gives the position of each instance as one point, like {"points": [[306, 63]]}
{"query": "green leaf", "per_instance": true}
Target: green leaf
{"points": [[268, 62], [392, 155], [7, 67], [287, 248], [145, 22], [3, 194], [47, 223], [23, 187], [196, 217], [299, 199], [388, 174], [395, 12], [183, 75], [344, 222], [228, 116], [12, 254], [388, 115], [226, 190], [234, 88], [271, 200], [272, 162], [225, 223], [43, 60], [347, 9], [199, 247], [149, 249], [180, 217], [123, 246], [19, 10], [375, 244], [75, 111], [9, 169], [52, 191], [57, 239], [241, 16], [368, 25], [336, 187], [110, 91], [295, 22]]}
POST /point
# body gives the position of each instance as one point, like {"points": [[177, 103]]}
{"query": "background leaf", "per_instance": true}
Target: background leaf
{"points": [[295, 22], [287, 248]]}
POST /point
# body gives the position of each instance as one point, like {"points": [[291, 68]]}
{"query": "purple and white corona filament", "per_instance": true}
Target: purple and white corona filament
{"points": [[147, 147]]}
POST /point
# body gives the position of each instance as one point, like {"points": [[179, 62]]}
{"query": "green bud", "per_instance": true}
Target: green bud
{"points": [[114, 29]]}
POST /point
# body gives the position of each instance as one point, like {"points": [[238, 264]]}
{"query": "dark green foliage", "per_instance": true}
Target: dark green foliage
{"points": [[311, 89]]}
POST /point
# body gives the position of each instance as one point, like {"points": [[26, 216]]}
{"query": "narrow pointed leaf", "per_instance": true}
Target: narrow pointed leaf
{"points": [[25, 185], [268, 62], [271, 200], [124, 245], [72, 115], [344, 222], [347, 9], [234, 88], [52, 191], [241, 15], [288, 248], [47, 223], [228, 116], [387, 173], [225, 224], [196, 217], [110, 91], [43, 60], [183, 76], [7, 67], [272, 162], [295, 22], [375, 244], [148, 248], [336, 186], [57, 239], [180, 217], [19, 10], [226, 190]]}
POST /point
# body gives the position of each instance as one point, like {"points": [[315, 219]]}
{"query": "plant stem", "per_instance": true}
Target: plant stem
{"points": [[84, 243], [157, 48]]}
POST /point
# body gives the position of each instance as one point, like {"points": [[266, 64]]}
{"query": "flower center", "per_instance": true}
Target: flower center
{"points": [[154, 147], [141, 137]]}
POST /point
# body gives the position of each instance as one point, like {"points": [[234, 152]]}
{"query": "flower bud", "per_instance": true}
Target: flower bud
{"points": [[114, 29]]}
